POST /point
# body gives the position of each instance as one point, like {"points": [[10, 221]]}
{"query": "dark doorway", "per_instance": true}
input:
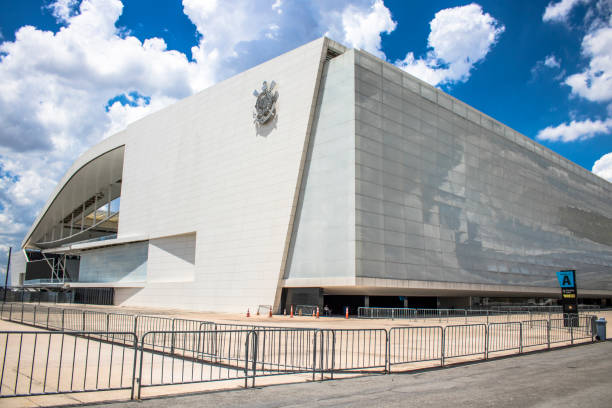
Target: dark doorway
{"points": [[386, 301], [423, 302], [338, 303]]}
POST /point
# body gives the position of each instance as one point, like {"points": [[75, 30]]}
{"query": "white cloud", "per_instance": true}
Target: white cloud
{"points": [[603, 167], [575, 130], [559, 12], [277, 6], [363, 28], [55, 87], [544, 68], [460, 37], [63, 9], [551, 61], [595, 82]]}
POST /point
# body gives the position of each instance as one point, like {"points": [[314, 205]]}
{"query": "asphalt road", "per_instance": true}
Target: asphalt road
{"points": [[571, 377]]}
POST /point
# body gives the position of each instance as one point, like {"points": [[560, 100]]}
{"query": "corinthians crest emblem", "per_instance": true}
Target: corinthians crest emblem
{"points": [[265, 106]]}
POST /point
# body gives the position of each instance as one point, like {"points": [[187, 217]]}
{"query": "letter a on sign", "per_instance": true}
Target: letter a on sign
{"points": [[566, 279]]}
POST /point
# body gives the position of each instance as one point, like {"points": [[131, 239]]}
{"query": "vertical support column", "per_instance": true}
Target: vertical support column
{"points": [[95, 211], [82, 216], [108, 209]]}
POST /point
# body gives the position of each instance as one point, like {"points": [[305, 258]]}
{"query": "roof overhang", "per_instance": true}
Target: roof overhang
{"points": [[100, 166]]}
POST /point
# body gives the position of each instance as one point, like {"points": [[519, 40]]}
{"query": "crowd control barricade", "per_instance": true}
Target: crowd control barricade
{"points": [[285, 351], [37, 363], [162, 365], [535, 333], [351, 350], [464, 340], [409, 345], [503, 337]]}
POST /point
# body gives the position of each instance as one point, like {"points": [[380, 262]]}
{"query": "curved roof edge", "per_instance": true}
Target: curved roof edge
{"points": [[104, 146]]}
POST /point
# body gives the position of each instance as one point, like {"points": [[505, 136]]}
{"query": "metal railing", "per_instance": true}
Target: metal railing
{"points": [[38, 363], [153, 351], [232, 357], [415, 345], [458, 315]]}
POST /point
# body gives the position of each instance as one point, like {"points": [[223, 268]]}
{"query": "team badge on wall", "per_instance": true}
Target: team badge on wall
{"points": [[265, 105]]}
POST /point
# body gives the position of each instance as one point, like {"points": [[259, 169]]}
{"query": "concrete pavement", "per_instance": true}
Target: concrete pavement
{"points": [[570, 377]]}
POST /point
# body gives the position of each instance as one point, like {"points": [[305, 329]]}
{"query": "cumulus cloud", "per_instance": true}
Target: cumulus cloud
{"points": [[544, 68], [363, 28], [551, 61], [560, 11], [61, 92], [595, 82], [460, 37], [603, 167], [575, 130]]}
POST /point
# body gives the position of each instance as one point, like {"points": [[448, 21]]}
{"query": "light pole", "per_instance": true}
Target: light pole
{"points": [[8, 267]]}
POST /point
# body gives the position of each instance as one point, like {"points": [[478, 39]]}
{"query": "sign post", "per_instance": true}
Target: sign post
{"points": [[569, 297]]}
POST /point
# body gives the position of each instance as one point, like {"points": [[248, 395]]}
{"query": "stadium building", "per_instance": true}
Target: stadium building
{"points": [[325, 175]]}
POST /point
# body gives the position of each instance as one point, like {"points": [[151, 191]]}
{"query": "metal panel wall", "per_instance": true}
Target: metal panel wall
{"points": [[445, 193]]}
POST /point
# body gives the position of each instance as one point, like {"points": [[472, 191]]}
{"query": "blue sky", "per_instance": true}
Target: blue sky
{"points": [[73, 72]]}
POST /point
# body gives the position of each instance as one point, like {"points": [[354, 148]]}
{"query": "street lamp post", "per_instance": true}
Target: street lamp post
{"points": [[8, 267]]}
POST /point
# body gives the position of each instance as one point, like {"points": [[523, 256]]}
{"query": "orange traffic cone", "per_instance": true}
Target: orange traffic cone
{"points": [[257, 312], [248, 313], [346, 315], [317, 312], [291, 311], [270, 314], [313, 313]]}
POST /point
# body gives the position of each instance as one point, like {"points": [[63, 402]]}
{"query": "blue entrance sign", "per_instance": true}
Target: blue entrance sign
{"points": [[569, 297], [566, 279]]}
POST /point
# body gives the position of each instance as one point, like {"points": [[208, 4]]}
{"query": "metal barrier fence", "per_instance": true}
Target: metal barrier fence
{"points": [[416, 313], [37, 363], [179, 351], [231, 357], [485, 316], [415, 345]]}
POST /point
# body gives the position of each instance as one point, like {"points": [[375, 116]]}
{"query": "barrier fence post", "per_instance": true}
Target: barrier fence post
{"points": [[63, 312], [136, 332], [314, 354], [22, 306], [172, 338], [34, 316], [134, 364], [387, 352], [83, 320], [572, 330], [442, 346], [548, 333], [520, 337], [486, 351], [11, 312], [321, 354]]}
